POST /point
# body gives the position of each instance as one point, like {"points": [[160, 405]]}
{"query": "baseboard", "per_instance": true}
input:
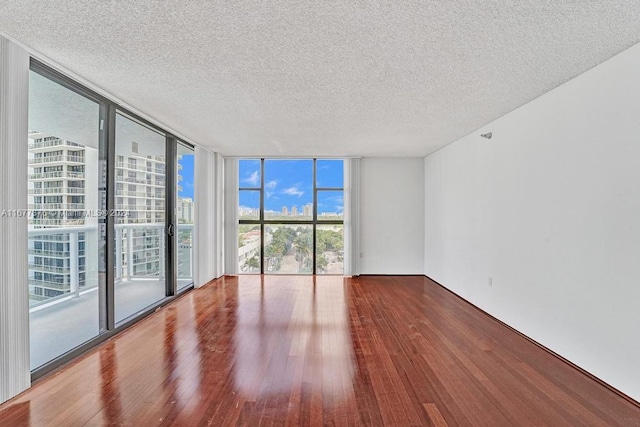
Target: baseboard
{"points": [[548, 350], [389, 275]]}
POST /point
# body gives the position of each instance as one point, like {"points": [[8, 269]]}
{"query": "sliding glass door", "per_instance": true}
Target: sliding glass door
{"points": [[66, 245], [140, 217], [111, 217]]}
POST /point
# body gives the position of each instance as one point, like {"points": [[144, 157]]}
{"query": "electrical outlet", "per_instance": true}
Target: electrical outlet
{"points": [[490, 281]]}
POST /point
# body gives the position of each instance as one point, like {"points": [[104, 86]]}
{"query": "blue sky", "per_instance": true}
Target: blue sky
{"points": [[290, 183], [187, 175]]}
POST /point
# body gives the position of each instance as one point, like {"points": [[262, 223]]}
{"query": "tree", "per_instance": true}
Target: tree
{"points": [[252, 263], [322, 262], [302, 244]]}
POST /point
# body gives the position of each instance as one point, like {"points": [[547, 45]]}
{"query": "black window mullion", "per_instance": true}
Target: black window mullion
{"points": [[108, 294], [170, 233], [261, 216], [315, 217]]}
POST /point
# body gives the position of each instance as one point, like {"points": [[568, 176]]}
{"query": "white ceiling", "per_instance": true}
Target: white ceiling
{"points": [[325, 78]]}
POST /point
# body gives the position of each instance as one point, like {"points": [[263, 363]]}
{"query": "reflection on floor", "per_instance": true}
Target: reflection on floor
{"points": [[304, 350]]}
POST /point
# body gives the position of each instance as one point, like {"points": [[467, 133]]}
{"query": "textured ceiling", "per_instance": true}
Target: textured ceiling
{"points": [[325, 78]]}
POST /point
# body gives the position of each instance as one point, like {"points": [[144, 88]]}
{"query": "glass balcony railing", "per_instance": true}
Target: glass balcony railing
{"points": [[140, 168], [59, 158], [56, 174], [53, 284], [57, 190], [53, 143], [57, 206]]}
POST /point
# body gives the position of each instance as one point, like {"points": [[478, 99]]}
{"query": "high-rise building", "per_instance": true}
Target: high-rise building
{"points": [[285, 211], [57, 202], [140, 193], [308, 209], [294, 211], [185, 210]]}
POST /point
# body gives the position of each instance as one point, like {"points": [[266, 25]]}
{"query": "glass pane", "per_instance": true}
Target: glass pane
{"points": [[330, 205], [330, 173], [248, 248], [249, 204], [140, 231], [288, 249], [66, 261], [249, 173], [185, 214], [330, 249], [288, 189]]}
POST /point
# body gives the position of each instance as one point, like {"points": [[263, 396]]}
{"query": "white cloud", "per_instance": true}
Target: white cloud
{"points": [[254, 178], [271, 184], [293, 191]]}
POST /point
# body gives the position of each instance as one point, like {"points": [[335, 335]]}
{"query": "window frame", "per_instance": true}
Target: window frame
{"points": [[314, 221], [108, 109]]}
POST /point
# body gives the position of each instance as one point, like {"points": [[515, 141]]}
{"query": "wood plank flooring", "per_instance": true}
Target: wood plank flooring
{"points": [[299, 350]]}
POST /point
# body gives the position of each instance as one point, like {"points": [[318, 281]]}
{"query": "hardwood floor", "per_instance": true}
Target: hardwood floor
{"points": [[299, 350]]}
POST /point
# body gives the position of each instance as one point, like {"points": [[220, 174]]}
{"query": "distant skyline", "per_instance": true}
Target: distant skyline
{"points": [[289, 183]]}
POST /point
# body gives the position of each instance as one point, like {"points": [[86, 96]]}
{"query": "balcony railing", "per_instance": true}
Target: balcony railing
{"points": [[57, 206], [130, 265], [58, 158], [48, 268], [53, 253], [140, 168], [66, 222], [124, 193], [53, 143], [57, 174], [57, 190]]}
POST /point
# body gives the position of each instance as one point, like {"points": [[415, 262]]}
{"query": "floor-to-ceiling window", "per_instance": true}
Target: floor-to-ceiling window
{"points": [[140, 247], [185, 212], [110, 217], [66, 245], [290, 216]]}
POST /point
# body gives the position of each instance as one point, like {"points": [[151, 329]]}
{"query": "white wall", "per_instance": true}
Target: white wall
{"points": [[550, 208], [391, 216]]}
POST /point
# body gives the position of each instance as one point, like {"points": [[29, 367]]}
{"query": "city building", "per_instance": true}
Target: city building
{"points": [[490, 148], [58, 201], [185, 210], [140, 194]]}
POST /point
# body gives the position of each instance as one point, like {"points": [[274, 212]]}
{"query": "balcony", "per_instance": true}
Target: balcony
{"points": [[48, 268], [57, 190], [53, 253], [62, 158], [144, 249], [141, 194], [139, 168], [57, 206], [66, 222], [75, 314], [56, 175], [53, 143]]}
